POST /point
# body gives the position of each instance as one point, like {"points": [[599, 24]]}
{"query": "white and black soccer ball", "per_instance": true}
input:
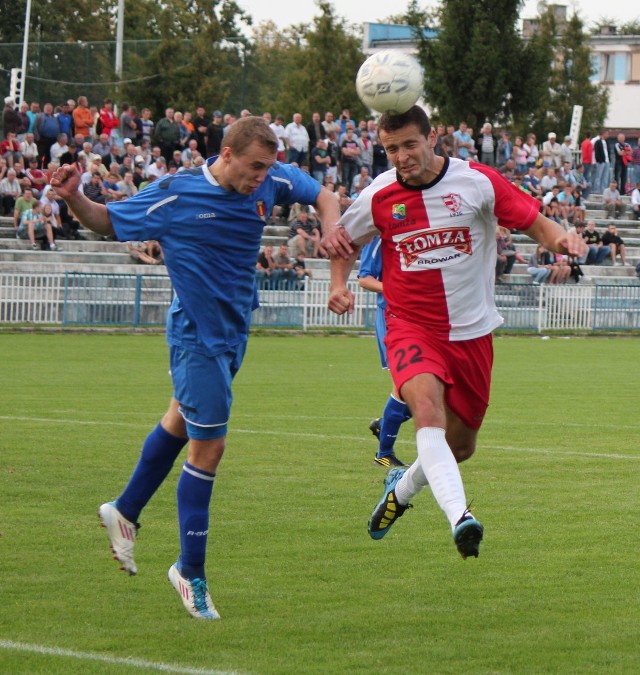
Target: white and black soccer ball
{"points": [[390, 81]]}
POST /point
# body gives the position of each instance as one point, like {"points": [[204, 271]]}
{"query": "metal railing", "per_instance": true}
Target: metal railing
{"points": [[77, 298]]}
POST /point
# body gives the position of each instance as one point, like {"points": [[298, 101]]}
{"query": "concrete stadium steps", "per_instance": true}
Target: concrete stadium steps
{"points": [[45, 265]]}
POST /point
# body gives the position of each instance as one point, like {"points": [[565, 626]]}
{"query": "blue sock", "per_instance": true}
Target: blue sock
{"points": [[394, 414], [159, 452], [194, 495]]}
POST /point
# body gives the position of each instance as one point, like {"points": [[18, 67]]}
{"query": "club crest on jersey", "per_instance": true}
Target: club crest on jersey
{"points": [[399, 211], [417, 244], [453, 202], [261, 209]]}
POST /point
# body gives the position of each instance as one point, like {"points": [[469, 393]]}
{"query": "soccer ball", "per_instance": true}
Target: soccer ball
{"points": [[389, 81]]}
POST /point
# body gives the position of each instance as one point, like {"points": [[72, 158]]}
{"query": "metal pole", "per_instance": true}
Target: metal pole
{"points": [[25, 46], [119, 38]]}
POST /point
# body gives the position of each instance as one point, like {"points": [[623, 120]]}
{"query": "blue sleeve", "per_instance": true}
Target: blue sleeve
{"points": [[371, 260], [294, 185], [145, 215]]}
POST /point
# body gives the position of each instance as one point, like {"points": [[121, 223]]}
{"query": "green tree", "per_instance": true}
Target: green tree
{"points": [[469, 68]]}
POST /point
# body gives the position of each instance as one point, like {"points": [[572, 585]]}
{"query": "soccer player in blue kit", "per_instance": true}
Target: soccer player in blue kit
{"points": [[209, 222], [396, 411]]}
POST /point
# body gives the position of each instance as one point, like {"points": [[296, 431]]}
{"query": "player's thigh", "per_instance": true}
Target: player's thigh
{"points": [[202, 387]]}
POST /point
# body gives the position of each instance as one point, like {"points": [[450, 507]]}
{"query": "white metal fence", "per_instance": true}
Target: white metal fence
{"points": [[135, 299]]}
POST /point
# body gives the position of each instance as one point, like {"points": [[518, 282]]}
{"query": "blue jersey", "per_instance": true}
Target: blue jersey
{"points": [[371, 265], [210, 239]]}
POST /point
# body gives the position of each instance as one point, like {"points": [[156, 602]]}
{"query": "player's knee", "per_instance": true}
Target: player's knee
{"points": [[462, 451]]}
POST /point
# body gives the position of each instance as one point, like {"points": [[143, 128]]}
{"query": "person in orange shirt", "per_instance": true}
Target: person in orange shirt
{"points": [[83, 118]]}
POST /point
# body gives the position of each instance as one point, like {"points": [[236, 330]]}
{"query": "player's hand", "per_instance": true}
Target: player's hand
{"points": [[575, 244], [341, 300], [65, 181], [338, 243]]}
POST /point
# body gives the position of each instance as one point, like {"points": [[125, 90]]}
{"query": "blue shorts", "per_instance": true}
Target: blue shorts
{"points": [[202, 387], [381, 331]]}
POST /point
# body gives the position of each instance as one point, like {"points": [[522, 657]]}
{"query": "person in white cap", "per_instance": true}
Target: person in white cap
{"points": [[551, 152]]}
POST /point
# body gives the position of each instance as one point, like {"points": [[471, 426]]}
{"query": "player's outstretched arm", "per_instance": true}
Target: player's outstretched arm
{"points": [[554, 237], [94, 216]]}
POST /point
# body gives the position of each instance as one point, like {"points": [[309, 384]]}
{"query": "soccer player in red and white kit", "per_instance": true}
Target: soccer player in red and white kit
{"points": [[436, 217]]}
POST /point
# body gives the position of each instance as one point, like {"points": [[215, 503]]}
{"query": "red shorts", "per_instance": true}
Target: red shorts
{"points": [[463, 366]]}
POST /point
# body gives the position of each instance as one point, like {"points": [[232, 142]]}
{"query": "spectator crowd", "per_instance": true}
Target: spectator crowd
{"points": [[119, 150]]}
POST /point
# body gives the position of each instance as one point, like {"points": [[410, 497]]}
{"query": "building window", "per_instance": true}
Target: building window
{"points": [[635, 67]]}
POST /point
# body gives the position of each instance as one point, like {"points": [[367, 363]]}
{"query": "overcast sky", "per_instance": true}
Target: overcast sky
{"points": [[287, 12]]}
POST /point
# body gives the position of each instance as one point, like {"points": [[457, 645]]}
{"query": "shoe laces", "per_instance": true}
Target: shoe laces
{"points": [[199, 587]]}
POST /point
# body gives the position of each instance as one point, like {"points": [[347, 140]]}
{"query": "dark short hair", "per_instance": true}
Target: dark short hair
{"points": [[247, 130], [415, 115]]}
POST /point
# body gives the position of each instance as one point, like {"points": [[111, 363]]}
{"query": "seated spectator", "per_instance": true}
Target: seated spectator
{"points": [[10, 190], [551, 206], [102, 147], [126, 187], [51, 219], [539, 265], [33, 226], [531, 183], [29, 149], [110, 184], [95, 189], [59, 148], [549, 180], [37, 177], [146, 252], [158, 168], [301, 270], [567, 205], [70, 226], [344, 200], [304, 236], [506, 254], [580, 206], [266, 268], [635, 202], [598, 252], [612, 201], [24, 203], [284, 272], [360, 182], [616, 246], [10, 149], [579, 180]]}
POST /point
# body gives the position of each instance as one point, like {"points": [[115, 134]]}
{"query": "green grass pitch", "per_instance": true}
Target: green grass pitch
{"points": [[300, 586]]}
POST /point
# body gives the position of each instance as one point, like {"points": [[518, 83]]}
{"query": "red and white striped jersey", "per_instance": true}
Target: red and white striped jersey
{"points": [[439, 244]]}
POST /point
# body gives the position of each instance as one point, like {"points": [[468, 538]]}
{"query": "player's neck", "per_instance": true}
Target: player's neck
{"points": [[217, 171]]}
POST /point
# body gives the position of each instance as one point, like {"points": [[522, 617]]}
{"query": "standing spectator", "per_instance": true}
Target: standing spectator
{"points": [[602, 165], [531, 147], [612, 201], [635, 202], [108, 118], [566, 153], [487, 145], [623, 155], [168, 134], [334, 153], [297, 139], [520, 155], [65, 120], [611, 239], [184, 129], [128, 126], [46, 130], [463, 143], [586, 156], [200, 124], [147, 125], [366, 150], [350, 153], [330, 124], [504, 150], [24, 128], [634, 163], [320, 160], [11, 120], [315, 129], [10, 191], [215, 134], [551, 152], [83, 119]]}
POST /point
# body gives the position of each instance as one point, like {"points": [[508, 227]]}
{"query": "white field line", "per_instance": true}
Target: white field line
{"points": [[300, 434], [114, 660]]}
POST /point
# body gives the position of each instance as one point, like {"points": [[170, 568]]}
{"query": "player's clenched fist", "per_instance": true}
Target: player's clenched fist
{"points": [[65, 180], [341, 300]]}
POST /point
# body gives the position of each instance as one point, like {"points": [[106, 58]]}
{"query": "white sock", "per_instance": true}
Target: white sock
{"points": [[441, 470], [412, 482]]}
